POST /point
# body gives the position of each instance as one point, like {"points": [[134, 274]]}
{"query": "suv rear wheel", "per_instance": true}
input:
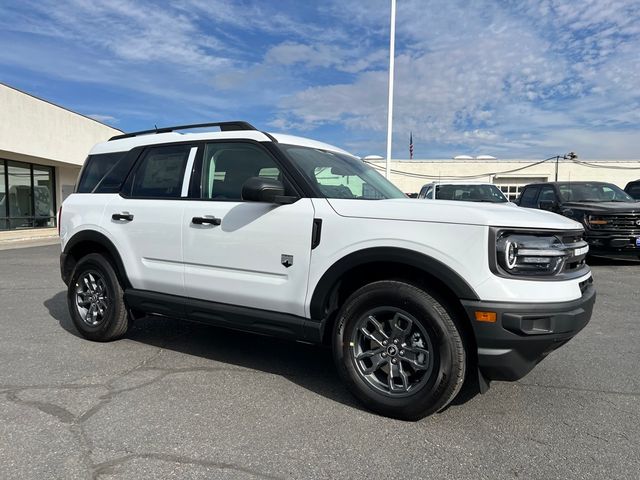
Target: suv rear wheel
{"points": [[95, 300], [399, 350]]}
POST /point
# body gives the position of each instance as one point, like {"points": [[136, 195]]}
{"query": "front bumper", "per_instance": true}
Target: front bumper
{"points": [[524, 334], [610, 243]]}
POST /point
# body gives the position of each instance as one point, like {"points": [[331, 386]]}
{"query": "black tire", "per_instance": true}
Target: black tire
{"points": [[95, 300], [416, 314]]}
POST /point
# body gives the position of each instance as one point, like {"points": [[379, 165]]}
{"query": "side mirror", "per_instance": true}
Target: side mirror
{"points": [[550, 205], [261, 189]]}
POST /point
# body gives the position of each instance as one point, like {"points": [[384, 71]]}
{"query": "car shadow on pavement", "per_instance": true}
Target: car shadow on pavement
{"points": [[611, 262], [309, 366]]}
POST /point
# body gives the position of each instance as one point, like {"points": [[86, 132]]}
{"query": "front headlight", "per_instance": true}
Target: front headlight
{"points": [[538, 254]]}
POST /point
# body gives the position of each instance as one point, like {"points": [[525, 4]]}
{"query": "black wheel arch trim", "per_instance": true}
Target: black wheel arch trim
{"points": [[93, 236], [410, 258]]}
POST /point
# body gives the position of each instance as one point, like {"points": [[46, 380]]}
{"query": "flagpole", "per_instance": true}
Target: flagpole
{"points": [[392, 47]]}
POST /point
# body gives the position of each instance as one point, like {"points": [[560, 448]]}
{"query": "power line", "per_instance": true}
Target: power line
{"points": [[613, 167], [470, 177], [480, 175]]}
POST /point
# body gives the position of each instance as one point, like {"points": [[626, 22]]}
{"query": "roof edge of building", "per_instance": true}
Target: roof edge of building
{"points": [[59, 106]]}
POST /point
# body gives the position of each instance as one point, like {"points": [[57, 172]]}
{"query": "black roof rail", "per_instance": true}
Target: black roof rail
{"points": [[224, 127]]}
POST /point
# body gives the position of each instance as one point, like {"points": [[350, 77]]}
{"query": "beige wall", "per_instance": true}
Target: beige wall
{"points": [[445, 169], [34, 127]]}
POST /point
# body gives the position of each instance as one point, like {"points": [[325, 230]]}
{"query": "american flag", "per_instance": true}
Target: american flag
{"points": [[411, 146]]}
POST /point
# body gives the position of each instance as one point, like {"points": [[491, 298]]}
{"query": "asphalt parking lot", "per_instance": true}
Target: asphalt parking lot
{"points": [[175, 400]]}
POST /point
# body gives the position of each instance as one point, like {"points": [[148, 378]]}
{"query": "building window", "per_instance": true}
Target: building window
{"points": [[27, 196], [3, 198], [513, 186]]}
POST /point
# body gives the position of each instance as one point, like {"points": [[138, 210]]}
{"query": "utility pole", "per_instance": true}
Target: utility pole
{"points": [[392, 48], [568, 156]]}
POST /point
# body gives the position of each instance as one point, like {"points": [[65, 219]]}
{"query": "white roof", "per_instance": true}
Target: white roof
{"points": [[126, 144]]}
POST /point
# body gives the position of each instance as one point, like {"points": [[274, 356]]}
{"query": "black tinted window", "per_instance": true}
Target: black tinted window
{"points": [[160, 172], [528, 198], [95, 168], [634, 190], [112, 181], [546, 194]]}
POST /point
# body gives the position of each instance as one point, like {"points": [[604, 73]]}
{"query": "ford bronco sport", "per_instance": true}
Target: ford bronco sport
{"points": [[291, 237]]}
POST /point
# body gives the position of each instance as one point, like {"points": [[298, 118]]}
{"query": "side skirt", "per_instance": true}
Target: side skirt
{"points": [[267, 322]]}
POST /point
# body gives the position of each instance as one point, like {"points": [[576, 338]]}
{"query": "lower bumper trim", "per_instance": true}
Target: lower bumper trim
{"points": [[524, 334]]}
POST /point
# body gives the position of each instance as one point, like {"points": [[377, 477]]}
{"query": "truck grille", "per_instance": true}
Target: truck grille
{"points": [[626, 222]]}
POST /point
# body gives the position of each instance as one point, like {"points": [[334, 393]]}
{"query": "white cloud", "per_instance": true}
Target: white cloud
{"points": [[103, 118], [520, 76]]}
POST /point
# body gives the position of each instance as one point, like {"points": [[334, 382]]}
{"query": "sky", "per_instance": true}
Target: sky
{"points": [[512, 79]]}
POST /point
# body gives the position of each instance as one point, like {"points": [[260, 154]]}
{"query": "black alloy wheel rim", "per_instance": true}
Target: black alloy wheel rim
{"points": [[392, 351], [92, 298]]}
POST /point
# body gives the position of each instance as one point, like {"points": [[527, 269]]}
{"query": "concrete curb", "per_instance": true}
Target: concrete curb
{"points": [[29, 242]]}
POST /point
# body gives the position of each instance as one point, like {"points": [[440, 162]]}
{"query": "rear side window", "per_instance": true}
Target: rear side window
{"points": [[95, 168], [528, 198], [160, 172]]}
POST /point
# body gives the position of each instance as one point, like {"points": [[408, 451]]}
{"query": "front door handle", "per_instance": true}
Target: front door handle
{"points": [[126, 216], [206, 220]]}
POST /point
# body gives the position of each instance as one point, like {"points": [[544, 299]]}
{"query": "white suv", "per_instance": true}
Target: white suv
{"points": [[286, 236]]}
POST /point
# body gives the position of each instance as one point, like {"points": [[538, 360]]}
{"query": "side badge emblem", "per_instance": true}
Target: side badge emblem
{"points": [[286, 260]]}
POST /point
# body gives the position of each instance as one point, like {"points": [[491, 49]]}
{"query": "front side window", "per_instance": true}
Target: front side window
{"points": [[340, 176], [227, 166], [593, 192], [546, 195], [634, 190], [528, 197], [160, 172]]}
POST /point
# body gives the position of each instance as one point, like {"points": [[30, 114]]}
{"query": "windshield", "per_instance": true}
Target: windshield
{"points": [[341, 176], [470, 193], [593, 192]]}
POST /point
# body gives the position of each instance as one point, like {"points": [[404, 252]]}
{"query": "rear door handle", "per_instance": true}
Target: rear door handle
{"points": [[206, 220], [122, 216]]}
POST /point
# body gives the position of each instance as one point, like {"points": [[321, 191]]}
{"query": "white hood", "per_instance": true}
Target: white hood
{"points": [[446, 211]]}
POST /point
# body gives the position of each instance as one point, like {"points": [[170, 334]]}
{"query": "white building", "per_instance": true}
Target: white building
{"points": [[509, 175], [42, 147]]}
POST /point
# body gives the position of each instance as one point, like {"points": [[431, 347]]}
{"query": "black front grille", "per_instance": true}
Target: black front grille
{"points": [[626, 222]]}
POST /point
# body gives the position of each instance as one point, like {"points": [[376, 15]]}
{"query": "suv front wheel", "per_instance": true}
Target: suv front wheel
{"points": [[398, 350], [95, 300]]}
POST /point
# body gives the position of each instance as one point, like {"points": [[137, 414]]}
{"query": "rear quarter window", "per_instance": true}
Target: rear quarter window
{"points": [[95, 168]]}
